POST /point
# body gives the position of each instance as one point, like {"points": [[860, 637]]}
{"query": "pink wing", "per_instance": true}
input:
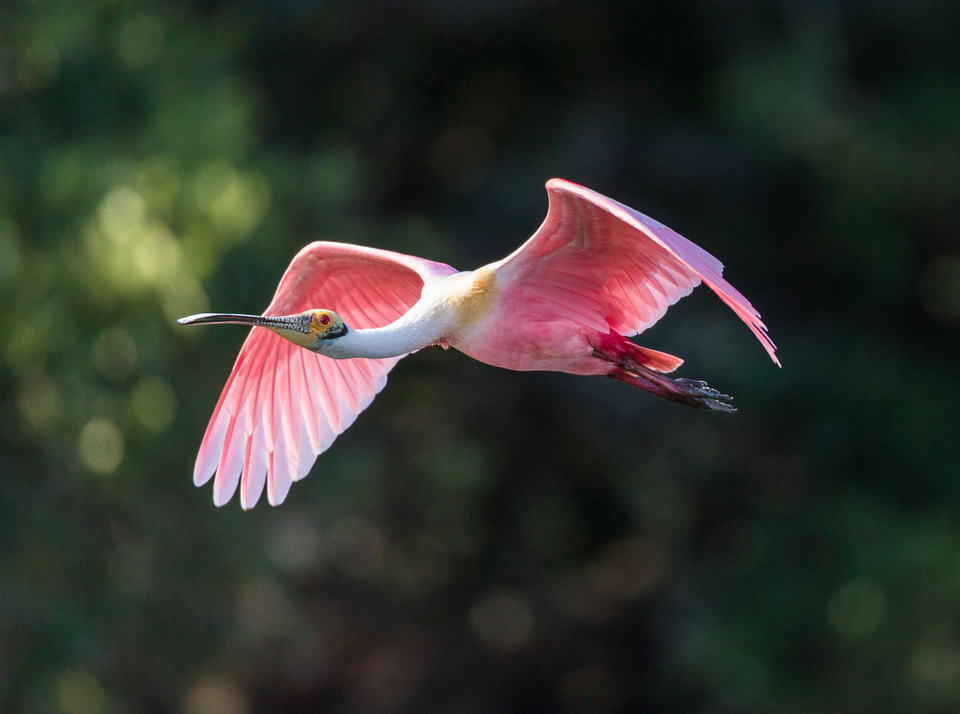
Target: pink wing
{"points": [[606, 266], [283, 405]]}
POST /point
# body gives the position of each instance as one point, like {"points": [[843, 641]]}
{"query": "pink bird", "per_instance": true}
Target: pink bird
{"points": [[594, 273]]}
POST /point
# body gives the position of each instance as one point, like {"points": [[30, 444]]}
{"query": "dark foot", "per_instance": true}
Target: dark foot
{"points": [[692, 392], [696, 393]]}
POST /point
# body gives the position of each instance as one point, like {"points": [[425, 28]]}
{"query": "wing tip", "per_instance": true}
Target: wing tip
{"points": [[772, 350], [760, 330], [220, 497], [276, 497], [200, 475]]}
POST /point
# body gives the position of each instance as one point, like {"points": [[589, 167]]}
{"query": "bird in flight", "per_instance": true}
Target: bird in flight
{"points": [[594, 273]]}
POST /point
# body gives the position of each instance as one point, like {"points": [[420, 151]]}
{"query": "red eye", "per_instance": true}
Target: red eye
{"points": [[324, 320]]}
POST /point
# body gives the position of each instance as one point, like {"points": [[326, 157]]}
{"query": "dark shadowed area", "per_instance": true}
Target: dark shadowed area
{"points": [[481, 540]]}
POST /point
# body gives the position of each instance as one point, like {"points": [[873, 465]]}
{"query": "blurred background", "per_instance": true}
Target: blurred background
{"points": [[481, 540]]}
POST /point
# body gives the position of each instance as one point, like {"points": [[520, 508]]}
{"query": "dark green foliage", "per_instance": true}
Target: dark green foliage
{"points": [[483, 541]]}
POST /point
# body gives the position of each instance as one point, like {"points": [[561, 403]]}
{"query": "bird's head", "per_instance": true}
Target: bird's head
{"points": [[310, 328]]}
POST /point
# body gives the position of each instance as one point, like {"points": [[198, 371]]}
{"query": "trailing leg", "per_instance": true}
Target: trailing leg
{"points": [[691, 392], [643, 368]]}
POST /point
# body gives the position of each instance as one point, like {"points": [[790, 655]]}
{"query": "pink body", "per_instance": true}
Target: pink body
{"points": [[555, 345], [594, 273]]}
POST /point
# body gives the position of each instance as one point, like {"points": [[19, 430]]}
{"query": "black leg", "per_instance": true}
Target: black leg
{"points": [[692, 392]]}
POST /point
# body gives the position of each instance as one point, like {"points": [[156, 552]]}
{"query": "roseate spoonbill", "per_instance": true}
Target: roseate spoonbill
{"points": [[593, 273]]}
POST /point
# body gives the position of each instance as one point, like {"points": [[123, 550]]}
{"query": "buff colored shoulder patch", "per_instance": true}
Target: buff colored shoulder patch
{"points": [[474, 302]]}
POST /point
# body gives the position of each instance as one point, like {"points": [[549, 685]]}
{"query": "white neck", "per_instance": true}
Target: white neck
{"points": [[394, 340]]}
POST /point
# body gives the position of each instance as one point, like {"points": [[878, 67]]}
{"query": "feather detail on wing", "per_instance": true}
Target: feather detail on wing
{"points": [[606, 266], [283, 405]]}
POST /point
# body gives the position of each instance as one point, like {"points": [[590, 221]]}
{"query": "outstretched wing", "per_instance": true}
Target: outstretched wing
{"points": [[604, 265], [283, 405]]}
